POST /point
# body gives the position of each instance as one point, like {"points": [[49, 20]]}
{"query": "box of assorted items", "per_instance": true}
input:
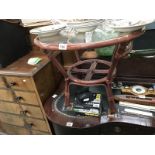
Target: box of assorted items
{"points": [[88, 104], [134, 85], [135, 97]]}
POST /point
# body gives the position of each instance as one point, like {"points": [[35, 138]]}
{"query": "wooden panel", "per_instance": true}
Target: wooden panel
{"points": [[14, 108], [11, 119], [37, 124], [13, 130], [21, 83], [27, 97], [2, 84], [44, 81], [6, 95]]}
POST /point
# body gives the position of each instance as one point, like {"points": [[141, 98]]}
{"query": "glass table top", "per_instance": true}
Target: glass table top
{"points": [[87, 37], [67, 36]]}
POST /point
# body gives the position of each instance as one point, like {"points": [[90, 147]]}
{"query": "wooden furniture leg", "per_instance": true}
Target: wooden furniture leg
{"points": [[67, 93], [110, 97]]}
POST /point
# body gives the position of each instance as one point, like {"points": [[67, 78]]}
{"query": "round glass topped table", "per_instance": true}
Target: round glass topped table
{"points": [[78, 75]]}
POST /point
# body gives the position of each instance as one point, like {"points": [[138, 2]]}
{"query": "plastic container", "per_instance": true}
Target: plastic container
{"points": [[101, 35]]}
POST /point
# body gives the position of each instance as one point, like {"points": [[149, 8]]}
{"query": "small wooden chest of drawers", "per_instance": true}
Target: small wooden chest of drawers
{"points": [[23, 90]]}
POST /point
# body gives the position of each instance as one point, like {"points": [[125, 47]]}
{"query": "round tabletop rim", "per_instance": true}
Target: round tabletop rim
{"points": [[81, 46]]}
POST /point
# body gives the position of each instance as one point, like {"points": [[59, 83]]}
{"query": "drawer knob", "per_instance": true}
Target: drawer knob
{"points": [[19, 98], [12, 84], [26, 113], [29, 125]]}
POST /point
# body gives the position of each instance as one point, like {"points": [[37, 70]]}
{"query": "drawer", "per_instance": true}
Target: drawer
{"points": [[11, 119], [6, 95], [21, 83], [32, 123], [2, 84], [14, 108], [37, 124], [34, 132], [9, 107], [26, 97], [13, 130], [21, 96], [32, 111]]}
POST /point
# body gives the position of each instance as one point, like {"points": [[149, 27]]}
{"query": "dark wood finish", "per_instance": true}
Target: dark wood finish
{"points": [[68, 58], [21, 68], [150, 101], [135, 80], [143, 67]]}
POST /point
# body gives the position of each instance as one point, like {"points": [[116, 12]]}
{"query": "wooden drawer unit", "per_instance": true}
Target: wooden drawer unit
{"points": [[23, 90]]}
